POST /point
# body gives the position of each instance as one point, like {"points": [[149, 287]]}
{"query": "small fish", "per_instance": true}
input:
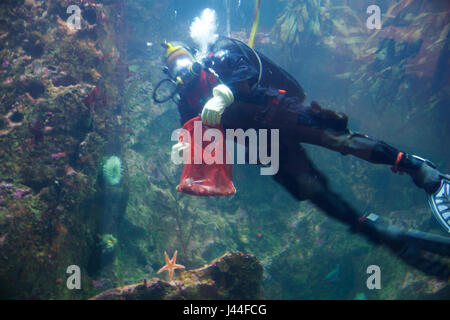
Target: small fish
{"points": [[345, 75], [333, 276], [58, 155], [2, 239], [97, 283], [360, 296]]}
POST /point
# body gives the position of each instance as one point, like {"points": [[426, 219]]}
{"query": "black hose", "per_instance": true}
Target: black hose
{"points": [[170, 96], [429, 242]]}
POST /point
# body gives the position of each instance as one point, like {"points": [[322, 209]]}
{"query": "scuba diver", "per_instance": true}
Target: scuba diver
{"points": [[239, 88]]}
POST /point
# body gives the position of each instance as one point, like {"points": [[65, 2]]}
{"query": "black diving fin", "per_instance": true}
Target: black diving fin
{"points": [[424, 251], [440, 203]]}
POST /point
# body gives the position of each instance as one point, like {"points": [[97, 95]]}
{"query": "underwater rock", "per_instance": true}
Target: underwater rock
{"points": [[235, 275], [53, 136]]}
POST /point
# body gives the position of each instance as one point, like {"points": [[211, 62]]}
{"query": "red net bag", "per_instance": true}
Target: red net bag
{"points": [[205, 179]]}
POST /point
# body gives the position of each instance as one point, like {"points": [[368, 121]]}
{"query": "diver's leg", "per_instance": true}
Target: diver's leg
{"points": [[423, 172], [301, 179], [326, 128], [298, 175]]}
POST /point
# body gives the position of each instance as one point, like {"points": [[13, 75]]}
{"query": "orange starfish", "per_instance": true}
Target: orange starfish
{"points": [[171, 265]]}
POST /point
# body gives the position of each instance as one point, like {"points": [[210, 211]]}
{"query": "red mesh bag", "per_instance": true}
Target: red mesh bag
{"points": [[206, 179]]}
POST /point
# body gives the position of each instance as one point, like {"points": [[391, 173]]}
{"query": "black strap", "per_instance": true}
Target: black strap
{"points": [[241, 45]]}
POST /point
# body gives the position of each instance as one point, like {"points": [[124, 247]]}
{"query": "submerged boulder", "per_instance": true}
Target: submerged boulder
{"points": [[235, 275]]}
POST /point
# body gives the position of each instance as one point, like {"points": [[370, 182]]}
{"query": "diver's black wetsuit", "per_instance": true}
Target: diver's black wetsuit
{"points": [[275, 101], [272, 99]]}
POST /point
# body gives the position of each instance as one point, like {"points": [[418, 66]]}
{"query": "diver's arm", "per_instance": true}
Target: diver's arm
{"points": [[214, 108], [186, 112], [235, 70], [243, 88], [234, 85]]}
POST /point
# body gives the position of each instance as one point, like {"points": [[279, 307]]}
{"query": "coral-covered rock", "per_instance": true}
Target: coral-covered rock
{"points": [[59, 103], [234, 275]]}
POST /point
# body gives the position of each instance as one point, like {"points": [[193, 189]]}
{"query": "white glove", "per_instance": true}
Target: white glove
{"points": [[178, 154], [213, 109]]}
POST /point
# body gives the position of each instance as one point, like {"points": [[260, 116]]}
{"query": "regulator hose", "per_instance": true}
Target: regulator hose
{"points": [[158, 86]]}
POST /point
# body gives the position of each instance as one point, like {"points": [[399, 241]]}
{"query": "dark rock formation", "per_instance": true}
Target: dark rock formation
{"points": [[60, 99], [232, 276]]}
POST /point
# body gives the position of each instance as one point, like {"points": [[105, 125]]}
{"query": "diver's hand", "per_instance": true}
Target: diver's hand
{"points": [[214, 108], [178, 152]]}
